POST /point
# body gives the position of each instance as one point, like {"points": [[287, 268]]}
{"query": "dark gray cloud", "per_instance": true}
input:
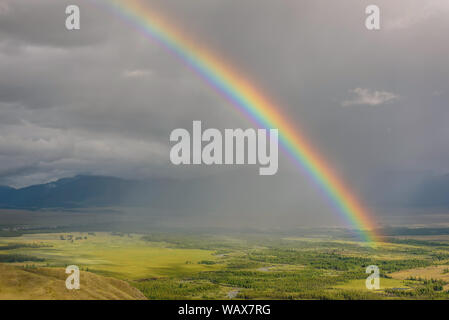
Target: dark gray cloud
{"points": [[104, 99]]}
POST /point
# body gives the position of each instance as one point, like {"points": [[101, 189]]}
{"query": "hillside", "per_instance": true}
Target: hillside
{"points": [[49, 284], [85, 191], [432, 192], [78, 192]]}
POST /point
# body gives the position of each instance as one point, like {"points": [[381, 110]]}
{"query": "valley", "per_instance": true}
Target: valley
{"points": [[233, 265]]}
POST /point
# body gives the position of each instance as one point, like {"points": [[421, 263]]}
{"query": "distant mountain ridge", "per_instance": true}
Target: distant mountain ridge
{"points": [[407, 189], [84, 191], [78, 191], [432, 192]]}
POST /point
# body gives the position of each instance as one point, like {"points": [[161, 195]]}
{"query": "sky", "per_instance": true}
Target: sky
{"points": [[103, 99]]}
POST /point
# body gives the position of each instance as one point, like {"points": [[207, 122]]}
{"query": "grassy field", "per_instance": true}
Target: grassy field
{"points": [[176, 265], [121, 256]]}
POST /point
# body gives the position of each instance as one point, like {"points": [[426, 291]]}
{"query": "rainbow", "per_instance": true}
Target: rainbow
{"points": [[251, 102]]}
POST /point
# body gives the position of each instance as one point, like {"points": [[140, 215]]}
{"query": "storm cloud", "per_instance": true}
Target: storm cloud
{"points": [[104, 99]]}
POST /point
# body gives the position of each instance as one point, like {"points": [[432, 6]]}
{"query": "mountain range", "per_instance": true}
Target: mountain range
{"points": [[78, 191], [84, 191]]}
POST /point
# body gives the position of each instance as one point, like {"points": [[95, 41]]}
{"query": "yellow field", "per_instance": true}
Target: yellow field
{"points": [[124, 257], [432, 272], [384, 284]]}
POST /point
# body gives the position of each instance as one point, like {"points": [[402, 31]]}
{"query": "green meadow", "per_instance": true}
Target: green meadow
{"points": [[122, 256], [245, 265]]}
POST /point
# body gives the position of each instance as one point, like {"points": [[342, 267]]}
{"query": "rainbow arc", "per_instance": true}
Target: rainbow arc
{"points": [[252, 103]]}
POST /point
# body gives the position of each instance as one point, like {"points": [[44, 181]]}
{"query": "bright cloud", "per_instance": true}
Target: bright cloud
{"points": [[369, 97]]}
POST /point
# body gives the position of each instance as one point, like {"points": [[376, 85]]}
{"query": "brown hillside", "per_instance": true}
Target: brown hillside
{"points": [[49, 284]]}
